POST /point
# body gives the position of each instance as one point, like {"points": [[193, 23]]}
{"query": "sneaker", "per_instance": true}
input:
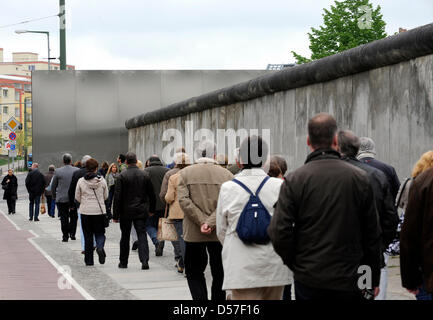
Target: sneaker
{"points": [[134, 246], [145, 266], [159, 248], [101, 255], [122, 266]]}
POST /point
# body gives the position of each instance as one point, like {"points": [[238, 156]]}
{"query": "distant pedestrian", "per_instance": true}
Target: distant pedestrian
{"points": [[110, 178], [103, 170], [325, 225], [74, 205], [416, 237], [60, 188], [10, 187], [90, 193], [251, 271], [198, 189], [275, 170], [51, 202], [175, 211], [78, 164], [234, 168], [134, 202], [35, 184], [156, 171], [121, 162], [348, 144], [367, 154]]}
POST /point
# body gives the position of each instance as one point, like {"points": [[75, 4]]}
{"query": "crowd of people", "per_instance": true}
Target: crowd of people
{"points": [[264, 231]]}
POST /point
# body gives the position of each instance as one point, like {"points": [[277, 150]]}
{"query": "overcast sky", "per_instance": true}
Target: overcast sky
{"points": [[182, 34]]}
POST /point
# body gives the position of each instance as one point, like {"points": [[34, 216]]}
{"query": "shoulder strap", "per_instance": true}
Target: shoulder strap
{"points": [[97, 200], [248, 190], [243, 186], [261, 185]]}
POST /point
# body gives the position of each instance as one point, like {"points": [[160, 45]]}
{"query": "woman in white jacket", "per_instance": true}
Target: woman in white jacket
{"points": [[251, 271], [91, 193]]}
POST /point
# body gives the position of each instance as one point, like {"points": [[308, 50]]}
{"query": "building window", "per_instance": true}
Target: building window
{"points": [[5, 127], [17, 95], [17, 112], [27, 87], [5, 93], [5, 109], [32, 68]]}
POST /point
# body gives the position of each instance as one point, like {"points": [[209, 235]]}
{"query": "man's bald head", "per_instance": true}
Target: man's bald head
{"points": [[348, 143], [322, 129]]}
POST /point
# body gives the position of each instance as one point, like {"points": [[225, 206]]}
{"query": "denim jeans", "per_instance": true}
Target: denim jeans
{"points": [[152, 228], [423, 294], [82, 233], [93, 229], [34, 206], [51, 203], [179, 229]]}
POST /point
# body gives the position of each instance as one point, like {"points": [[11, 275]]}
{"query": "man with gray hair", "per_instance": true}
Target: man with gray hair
{"points": [[367, 154], [60, 186], [73, 204], [198, 191], [348, 144]]}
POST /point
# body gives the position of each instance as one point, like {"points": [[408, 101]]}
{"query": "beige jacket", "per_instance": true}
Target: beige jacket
{"points": [[85, 195], [198, 189], [172, 199]]}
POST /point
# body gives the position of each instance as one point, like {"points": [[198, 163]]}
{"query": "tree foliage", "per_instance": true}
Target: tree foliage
{"points": [[346, 25]]}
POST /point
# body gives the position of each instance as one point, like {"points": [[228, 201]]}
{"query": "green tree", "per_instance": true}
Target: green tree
{"points": [[21, 144], [346, 25]]}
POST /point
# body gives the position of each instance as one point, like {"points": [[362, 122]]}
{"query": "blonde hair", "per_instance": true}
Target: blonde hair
{"points": [[424, 163], [110, 168], [140, 164]]}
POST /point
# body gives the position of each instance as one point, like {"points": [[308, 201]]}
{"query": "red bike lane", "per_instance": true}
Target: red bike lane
{"points": [[25, 273]]}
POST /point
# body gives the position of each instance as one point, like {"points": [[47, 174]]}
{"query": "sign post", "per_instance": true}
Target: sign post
{"points": [[12, 124]]}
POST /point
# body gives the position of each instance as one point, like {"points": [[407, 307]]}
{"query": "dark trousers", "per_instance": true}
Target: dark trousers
{"points": [[34, 204], [196, 259], [143, 247], [11, 201], [303, 292], [51, 206], [109, 202], [93, 228], [68, 219]]}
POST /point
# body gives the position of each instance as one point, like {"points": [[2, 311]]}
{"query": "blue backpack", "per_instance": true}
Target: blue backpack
{"points": [[254, 219]]}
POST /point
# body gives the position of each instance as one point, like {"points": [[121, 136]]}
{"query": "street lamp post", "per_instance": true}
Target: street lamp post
{"points": [[48, 38]]}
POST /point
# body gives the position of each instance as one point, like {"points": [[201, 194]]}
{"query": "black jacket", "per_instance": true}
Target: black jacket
{"points": [[71, 192], [35, 183], [386, 209], [416, 237], [389, 171], [134, 196], [156, 172], [11, 187], [325, 225]]}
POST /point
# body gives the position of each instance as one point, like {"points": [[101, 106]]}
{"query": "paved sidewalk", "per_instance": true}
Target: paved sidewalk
{"points": [[24, 271]]}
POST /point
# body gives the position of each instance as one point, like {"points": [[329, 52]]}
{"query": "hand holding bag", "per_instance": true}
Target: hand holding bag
{"points": [[166, 229]]}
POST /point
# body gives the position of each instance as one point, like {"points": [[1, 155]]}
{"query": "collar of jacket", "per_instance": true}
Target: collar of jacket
{"points": [[206, 161], [346, 158], [252, 172], [132, 166], [155, 162], [320, 154], [365, 155]]}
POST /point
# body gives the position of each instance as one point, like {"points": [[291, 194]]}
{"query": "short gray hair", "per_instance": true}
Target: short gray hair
{"points": [[84, 160], [348, 143], [205, 149], [67, 158]]}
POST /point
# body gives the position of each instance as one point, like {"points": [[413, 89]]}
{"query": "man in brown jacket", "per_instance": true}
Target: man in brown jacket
{"points": [[416, 237], [198, 191]]}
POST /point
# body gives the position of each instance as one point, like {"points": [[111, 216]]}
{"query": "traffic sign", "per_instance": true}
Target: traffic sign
{"points": [[12, 136], [13, 147], [13, 153], [13, 124], [8, 145]]}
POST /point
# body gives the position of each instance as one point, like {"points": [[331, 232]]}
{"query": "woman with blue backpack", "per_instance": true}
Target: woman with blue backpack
{"points": [[252, 269]]}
